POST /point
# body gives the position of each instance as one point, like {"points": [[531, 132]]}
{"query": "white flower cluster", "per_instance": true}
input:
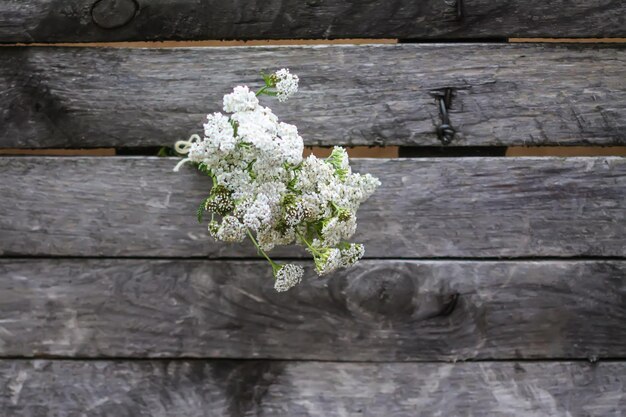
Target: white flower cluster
{"points": [[286, 84], [264, 189]]}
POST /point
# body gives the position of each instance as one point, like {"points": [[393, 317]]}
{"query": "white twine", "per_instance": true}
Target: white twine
{"points": [[182, 147]]}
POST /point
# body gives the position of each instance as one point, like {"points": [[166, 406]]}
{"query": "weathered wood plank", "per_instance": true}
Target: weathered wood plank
{"points": [[299, 389], [117, 20], [504, 94], [378, 311], [465, 207]]}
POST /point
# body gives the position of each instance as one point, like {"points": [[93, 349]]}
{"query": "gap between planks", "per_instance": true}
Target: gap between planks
{"points": [[211, 43], [431, 259], [361, 151], [296, 42]]}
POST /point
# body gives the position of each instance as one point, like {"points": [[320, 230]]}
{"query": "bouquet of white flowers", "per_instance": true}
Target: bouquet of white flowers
{"points": [[264, 189]]}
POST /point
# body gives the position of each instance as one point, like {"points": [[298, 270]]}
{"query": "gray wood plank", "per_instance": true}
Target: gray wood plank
{"points": [[118, 20], [381, 310], [354, 95], [461, 207], [300, 389]]}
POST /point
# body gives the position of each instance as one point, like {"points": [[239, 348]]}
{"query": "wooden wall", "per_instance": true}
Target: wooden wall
{"points": [[492, 285]]}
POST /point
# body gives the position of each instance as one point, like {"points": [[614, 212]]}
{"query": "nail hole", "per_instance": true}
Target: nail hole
{"points": [[112, 14]]}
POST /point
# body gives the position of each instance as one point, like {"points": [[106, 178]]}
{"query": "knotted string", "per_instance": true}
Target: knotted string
{"points": [[182, 147]]}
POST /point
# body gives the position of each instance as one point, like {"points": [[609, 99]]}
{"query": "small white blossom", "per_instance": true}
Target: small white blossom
{"points": [[231, 230], [219, 132], [294, 213], [292, 145], [335, 230], [288, 276], [241, 99], [286, 84], [259, 128], [269, 237], [338, 159], [365, 184], [351, 254], [259, 213], [329, 261]]}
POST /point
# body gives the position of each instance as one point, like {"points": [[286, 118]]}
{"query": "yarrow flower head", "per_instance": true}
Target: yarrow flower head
{"points": [[288, 276], [286, 84], [241, 99], [263, 189], [327, 260]]}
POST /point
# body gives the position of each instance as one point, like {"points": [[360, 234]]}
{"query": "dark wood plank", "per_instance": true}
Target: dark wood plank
{"points": [[465, 207], [118, 20], [380, 310], [354, 95], [300, 389]]}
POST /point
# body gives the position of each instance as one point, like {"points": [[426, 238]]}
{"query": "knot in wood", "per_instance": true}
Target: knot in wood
{"points": [[112, 14], [383, 292]]}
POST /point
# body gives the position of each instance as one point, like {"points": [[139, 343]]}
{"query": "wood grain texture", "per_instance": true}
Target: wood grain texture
{"points": [[297, 389], [124, 20], [380, 310], [352, 95], [462, 207]]}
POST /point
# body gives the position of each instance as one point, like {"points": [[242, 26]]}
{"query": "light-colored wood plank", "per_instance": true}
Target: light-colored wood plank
{"points": [[300, 389], [377, 311], [432, 207], [108, 20], [353, 95]]}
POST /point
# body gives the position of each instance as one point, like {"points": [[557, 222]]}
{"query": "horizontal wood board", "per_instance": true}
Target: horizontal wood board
{"points": [[376, 311], [352, 95], [461, 207], [300, 389], [124, 20]]}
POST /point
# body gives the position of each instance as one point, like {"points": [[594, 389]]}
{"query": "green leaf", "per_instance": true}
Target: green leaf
{"points": [[343, 246], [267, 78], [204, 169], [165, 151], [202, 209], [249, 169], [339, 158], [235, 126]]}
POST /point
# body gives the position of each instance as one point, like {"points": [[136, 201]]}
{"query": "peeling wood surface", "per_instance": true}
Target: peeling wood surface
{"points": [[297, 389], [504, 94], [461, 207], [377, 311], [124, 20]]}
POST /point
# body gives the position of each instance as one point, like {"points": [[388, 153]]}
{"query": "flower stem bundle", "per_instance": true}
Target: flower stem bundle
{"points": [[264, 190]]}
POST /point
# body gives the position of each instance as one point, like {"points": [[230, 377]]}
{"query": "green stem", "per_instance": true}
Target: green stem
{"points": [[306, 242], [262, 90], [275, 266]]}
